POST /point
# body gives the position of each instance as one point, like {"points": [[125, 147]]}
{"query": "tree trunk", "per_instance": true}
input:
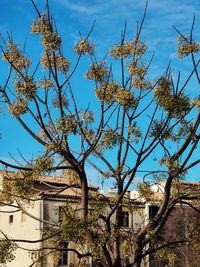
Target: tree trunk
{"points": [[137, 263], [117, 263], [84, 196], [138, 256]]}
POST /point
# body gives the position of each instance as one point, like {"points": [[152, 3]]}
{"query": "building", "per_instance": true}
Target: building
{"points": [[41, 216], [34, 218]]}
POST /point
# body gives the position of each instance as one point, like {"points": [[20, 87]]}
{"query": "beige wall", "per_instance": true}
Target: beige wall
{"points": [[24, 228], [27, 228]]}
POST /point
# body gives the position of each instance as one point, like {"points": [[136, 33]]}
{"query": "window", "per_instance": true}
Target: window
{"points": [[63, 261], [153, 209], [125, 219], [60, 213], [10, 218]]}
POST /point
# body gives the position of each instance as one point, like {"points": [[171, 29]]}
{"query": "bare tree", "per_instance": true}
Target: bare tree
{"points": [[136, 117]]}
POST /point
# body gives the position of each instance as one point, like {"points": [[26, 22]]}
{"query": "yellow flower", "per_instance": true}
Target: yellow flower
{"points": [[186, 47], [84, 47], [51, 41], [51, 61], [40, 25], [107, 92], [27, 88], [125, 98], [97, 72], [14, 56]]}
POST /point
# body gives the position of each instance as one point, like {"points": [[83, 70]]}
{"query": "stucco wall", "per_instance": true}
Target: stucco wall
{"points": [[22, 227]]}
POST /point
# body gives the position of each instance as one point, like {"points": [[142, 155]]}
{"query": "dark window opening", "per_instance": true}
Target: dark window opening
{"points": [[64, 254], [153, 211], [125, 219], [60, 213], [10, 218]]}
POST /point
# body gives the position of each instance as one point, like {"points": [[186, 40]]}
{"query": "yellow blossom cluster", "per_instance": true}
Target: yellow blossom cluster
{"points": [[15, 57], [125, 98], [42, 165], [110, 139], [27, 88], [19, 107], [141, 84], [87, 117], [128, 48], [40, 25], [89, 135], [137, 83], [174, 104], [42, 134], [84, 47], [136, 70], [45, 83], [186, 47], [49, 61], [106, 93], [53, 146], [139, 47], [67, 125], [51, 40], [122, 50], [163, 89], [98, 72], [196, 103]]}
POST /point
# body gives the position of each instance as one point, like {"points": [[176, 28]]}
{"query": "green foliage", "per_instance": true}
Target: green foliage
{"points": [[145, 190], [42, 165], [73, 227], [173, 167], [53, 248], [110, 139], [17, 187], [7, 251], [175, 104], [168, 257], [67, 125], [37, 258], [193, 232]]}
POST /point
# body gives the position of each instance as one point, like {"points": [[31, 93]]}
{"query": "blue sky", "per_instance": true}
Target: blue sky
{"points": [[110, 15]]}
